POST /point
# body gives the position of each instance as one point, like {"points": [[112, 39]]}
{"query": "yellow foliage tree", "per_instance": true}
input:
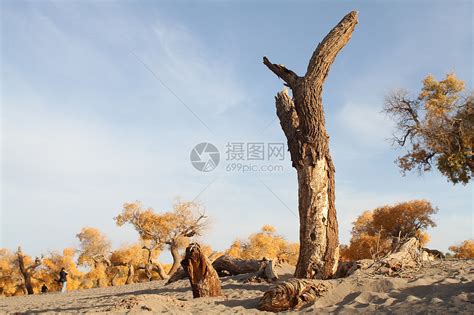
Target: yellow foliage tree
{"points": [[28, 268], [94, 253], [235, 249], [130, 264], [10, 277], [365, 246], [375, 232], [465, 250], [265, 243], [52, 264], [437, 128], [172, 229]]}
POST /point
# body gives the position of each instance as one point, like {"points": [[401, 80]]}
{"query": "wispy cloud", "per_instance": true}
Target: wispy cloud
{"points": [[365, 125], [80, 147]]}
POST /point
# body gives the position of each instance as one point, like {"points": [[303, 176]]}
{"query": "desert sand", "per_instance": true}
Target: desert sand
{"points": [[438, 287]]}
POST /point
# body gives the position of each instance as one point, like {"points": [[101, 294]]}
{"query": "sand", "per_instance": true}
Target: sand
{"points": [[440, 287]]}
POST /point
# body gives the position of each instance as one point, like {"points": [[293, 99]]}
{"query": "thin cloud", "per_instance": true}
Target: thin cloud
{"points": [[365, 125]]}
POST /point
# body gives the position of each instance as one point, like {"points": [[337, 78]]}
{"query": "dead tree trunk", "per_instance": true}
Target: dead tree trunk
{"points": [[114, 280], [150, 266], [26, 271], [130, 274], [226, 265], [302, 120], [202, 276], [263, 269], [230, 266], [176, 259]]}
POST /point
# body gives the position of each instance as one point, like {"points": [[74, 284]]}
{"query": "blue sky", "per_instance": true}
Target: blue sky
{"points": [[86, 126]]}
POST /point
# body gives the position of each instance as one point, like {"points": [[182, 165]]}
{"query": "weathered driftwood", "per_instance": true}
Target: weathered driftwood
{"points": [[302, 120], [227, 265], [267, 272], [202, 276], [293, 294], [434, 253], [407, 255]]}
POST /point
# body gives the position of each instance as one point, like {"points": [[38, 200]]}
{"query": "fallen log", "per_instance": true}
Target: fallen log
{"points": [[293, 294], [227, 265], [202, 276]]}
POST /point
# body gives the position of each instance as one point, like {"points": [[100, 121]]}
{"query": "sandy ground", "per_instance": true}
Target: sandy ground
{"points": [[441, 287]]}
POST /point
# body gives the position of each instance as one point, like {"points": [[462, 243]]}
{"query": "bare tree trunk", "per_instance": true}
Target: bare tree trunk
{"points": [[176, 259], [202, 276], [115, 277], [130, 274], [302, 120], [25, 271], [150, 265], [160, 270]]}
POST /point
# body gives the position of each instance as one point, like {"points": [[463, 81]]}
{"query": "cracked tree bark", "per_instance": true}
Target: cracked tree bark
{"points": [[302, 120]]}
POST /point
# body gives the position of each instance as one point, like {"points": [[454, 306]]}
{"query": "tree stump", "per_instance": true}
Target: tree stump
{"points": [[202, 276], [269, 273], [292, 295]]}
